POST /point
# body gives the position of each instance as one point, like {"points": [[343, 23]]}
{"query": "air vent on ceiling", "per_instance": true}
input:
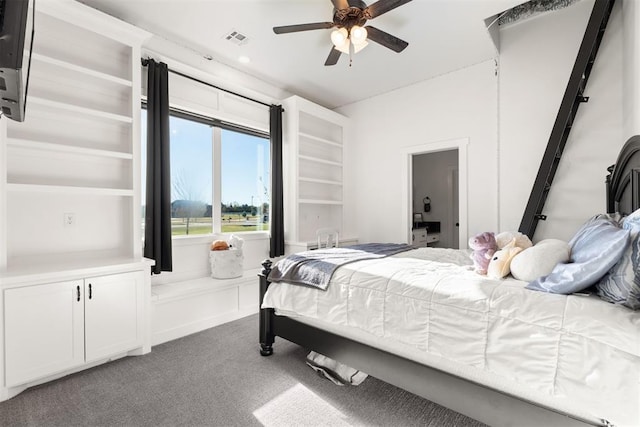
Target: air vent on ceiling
{"points": [[236, 37]]}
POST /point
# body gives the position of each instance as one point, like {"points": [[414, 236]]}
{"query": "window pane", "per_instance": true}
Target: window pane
{"points": [[245, 182], [191, 177]]}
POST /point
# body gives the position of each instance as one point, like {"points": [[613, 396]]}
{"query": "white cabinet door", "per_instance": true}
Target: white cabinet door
{"points": [[44, 331], [113, 306]]}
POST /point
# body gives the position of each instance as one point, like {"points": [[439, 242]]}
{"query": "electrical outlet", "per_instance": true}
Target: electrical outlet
{"points": [[69, 219]]}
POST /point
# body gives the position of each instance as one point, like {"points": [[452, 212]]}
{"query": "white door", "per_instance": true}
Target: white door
{"points": [[43, 330], [112, 308]]}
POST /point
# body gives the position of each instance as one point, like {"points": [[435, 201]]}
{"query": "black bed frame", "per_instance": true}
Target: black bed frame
{"points": [[488, 405]]}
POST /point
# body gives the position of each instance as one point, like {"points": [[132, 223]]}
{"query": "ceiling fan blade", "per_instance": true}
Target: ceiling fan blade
{"points": [[386, 39], [303, 27], [333, 57], [340, 4], [383, 6]]}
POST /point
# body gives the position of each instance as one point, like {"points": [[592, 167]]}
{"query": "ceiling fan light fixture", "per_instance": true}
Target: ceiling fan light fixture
{"points": [[358, 35], [344, 47], [339, 37], [358, 47]]}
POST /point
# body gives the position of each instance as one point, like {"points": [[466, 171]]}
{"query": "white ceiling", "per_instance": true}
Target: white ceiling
{"points": [[443, 35]]}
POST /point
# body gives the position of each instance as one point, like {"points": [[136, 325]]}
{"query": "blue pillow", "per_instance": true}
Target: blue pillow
{"points": [[621, 285], [596, 247]]}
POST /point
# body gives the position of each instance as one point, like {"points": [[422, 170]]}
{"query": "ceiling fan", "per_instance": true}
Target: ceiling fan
{"points": [[349, 18]]}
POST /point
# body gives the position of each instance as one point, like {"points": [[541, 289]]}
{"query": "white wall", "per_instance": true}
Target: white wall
{"points": [[462, 104], [631, 69], [536, 59], [222, 75]]}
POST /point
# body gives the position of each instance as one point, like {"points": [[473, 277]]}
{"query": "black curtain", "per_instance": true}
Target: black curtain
{"points": [[277, 197], [157, 230]]}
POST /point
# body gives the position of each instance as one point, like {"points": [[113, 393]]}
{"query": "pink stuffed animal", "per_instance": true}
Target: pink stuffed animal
{"points": [[484, 246]]}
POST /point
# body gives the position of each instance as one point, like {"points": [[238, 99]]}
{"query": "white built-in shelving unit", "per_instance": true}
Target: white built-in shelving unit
{"points": [[77, 150], [314, 139], [70, 211]]}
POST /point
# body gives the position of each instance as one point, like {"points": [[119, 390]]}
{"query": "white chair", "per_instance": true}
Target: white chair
{"points": [[327, 238]]}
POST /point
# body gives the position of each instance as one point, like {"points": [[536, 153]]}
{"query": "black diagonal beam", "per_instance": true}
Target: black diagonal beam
{"points": [[572, 99]]}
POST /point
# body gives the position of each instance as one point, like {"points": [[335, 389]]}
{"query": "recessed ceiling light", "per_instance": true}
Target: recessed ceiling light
{"points": [[244, 59]]}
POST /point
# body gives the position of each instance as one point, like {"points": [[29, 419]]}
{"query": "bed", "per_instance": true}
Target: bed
{"points": [[424, 321]]}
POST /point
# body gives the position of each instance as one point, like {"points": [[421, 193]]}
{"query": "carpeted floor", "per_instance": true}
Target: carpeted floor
{"points": [[218, 378]]}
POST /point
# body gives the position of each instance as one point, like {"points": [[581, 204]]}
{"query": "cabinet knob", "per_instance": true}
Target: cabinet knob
{"points": [[90, 292], [78, 293]]}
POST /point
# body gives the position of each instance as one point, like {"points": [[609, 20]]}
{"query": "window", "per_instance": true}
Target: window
{"points": [[245, 182], [219, 176]]}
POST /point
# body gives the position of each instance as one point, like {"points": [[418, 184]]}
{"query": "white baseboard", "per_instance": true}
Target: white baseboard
{"points": [[9, 392], [183, 308]]}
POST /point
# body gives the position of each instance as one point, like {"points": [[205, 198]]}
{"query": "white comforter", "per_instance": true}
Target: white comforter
{"points": [[574, 353]]}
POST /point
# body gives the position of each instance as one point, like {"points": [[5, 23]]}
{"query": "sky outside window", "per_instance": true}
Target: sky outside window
{"points": [[245, 168]]}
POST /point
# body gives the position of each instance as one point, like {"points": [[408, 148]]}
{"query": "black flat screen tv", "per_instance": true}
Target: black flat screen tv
{"points": [[16, 42]]}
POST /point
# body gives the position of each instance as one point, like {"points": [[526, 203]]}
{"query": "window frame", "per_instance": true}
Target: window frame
{"points": [[217, 126]]}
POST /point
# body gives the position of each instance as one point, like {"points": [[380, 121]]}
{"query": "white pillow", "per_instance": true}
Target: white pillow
{"points": [[540, 259]]}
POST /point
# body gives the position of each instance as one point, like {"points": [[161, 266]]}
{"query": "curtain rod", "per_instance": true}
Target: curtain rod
{"points": [[145, 62]]}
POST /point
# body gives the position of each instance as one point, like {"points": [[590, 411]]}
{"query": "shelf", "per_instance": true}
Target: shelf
{"points": [[320, 181], [316, 121], [318, 160], [62, 266], [318, 202], [50, 146], [77, 68], [96, 191], [77, 109], [319, 139]]}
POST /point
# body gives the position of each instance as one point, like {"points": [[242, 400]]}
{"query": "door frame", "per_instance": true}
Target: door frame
{"points": [[451, 203], [460, 144]]}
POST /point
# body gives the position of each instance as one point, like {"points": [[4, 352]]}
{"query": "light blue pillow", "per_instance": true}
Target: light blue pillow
{"points": [[596, 247], [621, 285]]}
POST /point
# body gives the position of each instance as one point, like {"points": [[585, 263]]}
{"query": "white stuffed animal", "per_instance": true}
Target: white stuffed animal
{"points": [[521, 240], [499, 266], [235, 242]]}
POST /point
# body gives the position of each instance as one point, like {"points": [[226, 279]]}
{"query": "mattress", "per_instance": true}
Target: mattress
{"points": [[575, 353]]}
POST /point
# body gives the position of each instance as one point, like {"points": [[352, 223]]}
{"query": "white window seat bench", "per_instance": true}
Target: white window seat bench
{"points": [[182, 308]]}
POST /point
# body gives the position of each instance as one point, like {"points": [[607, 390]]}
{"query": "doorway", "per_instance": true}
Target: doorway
{"points": [[434, 186], [436, 192]]}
